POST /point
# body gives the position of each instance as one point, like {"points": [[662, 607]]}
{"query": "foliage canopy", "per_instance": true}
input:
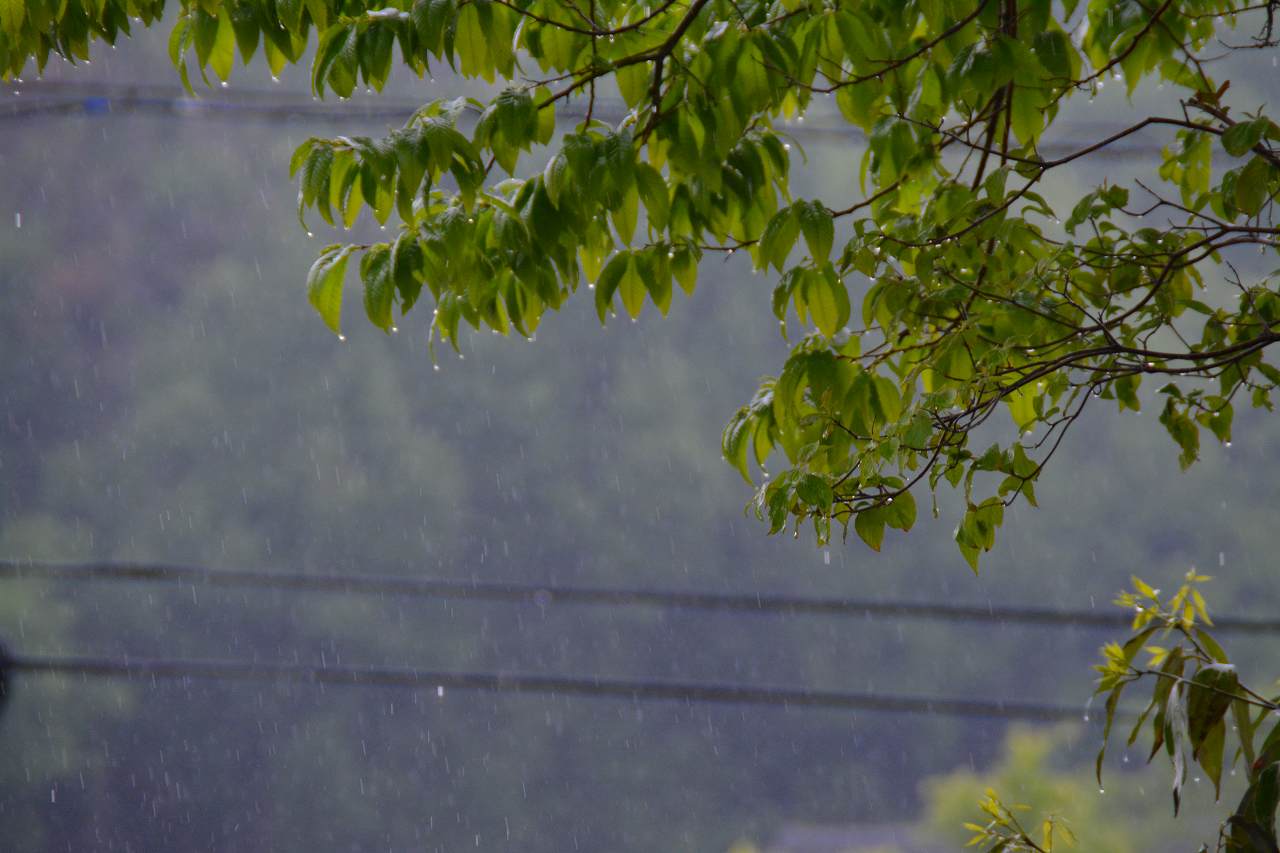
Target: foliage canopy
{"points": [[976, 295]]}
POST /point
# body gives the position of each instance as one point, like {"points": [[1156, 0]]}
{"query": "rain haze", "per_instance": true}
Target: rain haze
{"points": [[541, 638]]}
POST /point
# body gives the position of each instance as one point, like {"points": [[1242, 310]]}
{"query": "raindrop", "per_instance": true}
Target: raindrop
{"points": [[1222, 559], [786, 146], [17, 220], [440, 691], [436, 368], [1102, 790], [342, 338], [671, 254], [826, 556], [1226, 444], [275, 79], [225, 84], [395, 329], [309, 234]]}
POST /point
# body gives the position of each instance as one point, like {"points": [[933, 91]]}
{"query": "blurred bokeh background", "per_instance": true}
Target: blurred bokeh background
{"points": [[166, 394]]}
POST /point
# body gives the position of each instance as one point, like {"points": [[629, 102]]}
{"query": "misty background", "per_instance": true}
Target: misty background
{"points": [[166, 394]]}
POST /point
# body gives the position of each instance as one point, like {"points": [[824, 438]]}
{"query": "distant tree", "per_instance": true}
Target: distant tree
{"points": [[976, 294]]}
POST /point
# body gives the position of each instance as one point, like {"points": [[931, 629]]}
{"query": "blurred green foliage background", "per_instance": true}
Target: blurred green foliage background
{"points": [[166, 394]]}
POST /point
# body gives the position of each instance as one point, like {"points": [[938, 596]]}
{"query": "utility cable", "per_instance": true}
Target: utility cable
{"points": [[99, 100], [546, 595], [526, 683]]}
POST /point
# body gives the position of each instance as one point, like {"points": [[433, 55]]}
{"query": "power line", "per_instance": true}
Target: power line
{"points": [[525, 683], [104, 100], [547, 595]]}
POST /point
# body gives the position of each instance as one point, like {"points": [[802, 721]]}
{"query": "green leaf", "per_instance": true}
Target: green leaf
{"points": [[244, 20], [685, 267], [901, 513], [653, 192], [554, 177], [324, 285], [626, 214], [827, 300], [406, 269], [778, 239], [633, 82], [1209, 698], [379, 287], [1253, 826], [1022, 408], [1240, 138], [471, 44], [1183, 431], [869, 525], [1209, 755], [608, 281], [734, 443], [223, 55], [632, 289], [816, 492], [655, 270], [179, 40], [1253, 185], [818, 228], [12, 14]]}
